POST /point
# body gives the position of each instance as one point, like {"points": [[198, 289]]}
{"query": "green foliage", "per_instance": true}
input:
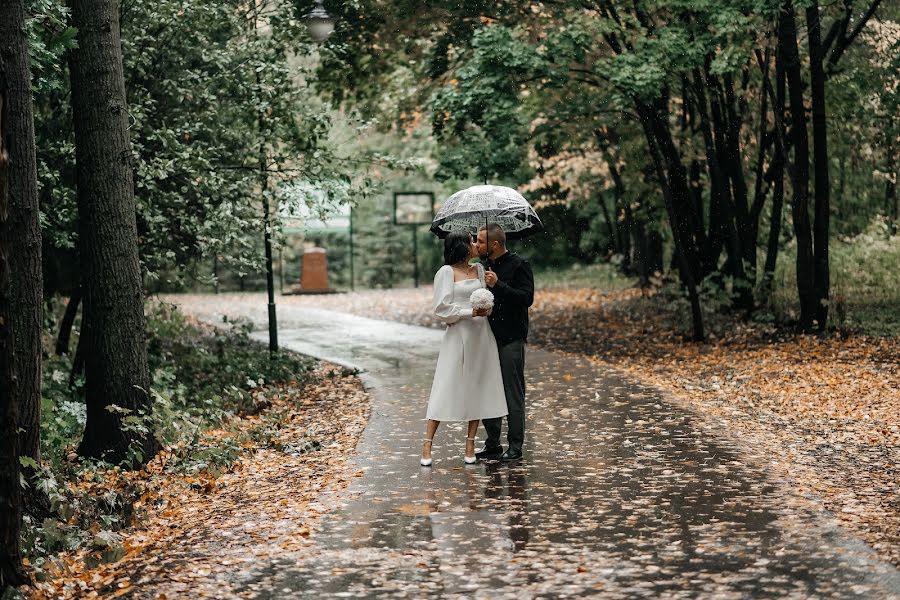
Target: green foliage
{"points": [[863, 299], [717, 293], [63, 413], [50, 38], [383, 252], [532, 94], [211, 372], [201, 376], [386, 59], [476, 117], [223, 111]]}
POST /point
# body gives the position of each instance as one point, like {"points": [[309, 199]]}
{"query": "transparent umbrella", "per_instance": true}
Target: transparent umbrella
{"points": [[479, 205]]}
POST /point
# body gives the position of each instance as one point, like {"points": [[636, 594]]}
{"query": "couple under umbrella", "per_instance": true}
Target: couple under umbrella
{"points": [[480, 372]]}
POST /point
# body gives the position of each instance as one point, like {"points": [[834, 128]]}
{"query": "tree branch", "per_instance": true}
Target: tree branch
{"points": [[643, 18], [589, 82], [838, 28], [844, 42]]}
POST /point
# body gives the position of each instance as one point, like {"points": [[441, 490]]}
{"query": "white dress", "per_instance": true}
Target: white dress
{"points": [[467, 382]]}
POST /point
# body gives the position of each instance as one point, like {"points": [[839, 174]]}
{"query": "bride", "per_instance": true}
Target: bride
{"points": [[467, 382]]}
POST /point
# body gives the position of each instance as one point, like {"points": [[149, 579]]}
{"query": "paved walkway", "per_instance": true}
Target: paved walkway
{"points": [[620, 495]]}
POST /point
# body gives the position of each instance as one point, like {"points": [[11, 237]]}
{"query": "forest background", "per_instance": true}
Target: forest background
{"points": [[735, 158]]}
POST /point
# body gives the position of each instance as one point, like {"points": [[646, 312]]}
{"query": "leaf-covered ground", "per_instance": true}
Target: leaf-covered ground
{"points": [[194, 526], [826, 408]]}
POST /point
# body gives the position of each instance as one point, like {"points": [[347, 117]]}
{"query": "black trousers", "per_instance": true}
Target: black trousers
{"points": [[512, 366]]}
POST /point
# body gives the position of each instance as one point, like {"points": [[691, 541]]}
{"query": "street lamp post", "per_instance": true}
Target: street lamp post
{"points": [[414, 209], [320, 25], [352, 278], [270, 280]]}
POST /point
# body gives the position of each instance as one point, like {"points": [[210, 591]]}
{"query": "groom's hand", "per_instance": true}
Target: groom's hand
{"points": [[490, 278]]}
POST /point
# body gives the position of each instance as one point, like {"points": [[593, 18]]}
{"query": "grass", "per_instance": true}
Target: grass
{"points": [[865, 282], [604, 276]]}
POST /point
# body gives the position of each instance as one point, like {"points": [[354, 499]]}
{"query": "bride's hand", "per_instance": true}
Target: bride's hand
{"points": [[481, 312]]}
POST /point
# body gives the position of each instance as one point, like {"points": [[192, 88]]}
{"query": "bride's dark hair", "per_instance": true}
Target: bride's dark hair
{"points": [[456, 247]]}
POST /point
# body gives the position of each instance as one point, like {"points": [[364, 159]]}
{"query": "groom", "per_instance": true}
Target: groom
{"points": [[510, 279]]}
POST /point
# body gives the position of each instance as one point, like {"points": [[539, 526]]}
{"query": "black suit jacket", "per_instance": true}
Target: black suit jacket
{"points": [[513, 294]]}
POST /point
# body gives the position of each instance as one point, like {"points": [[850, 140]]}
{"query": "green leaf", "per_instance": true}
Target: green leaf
{"points": [[28, 462]]}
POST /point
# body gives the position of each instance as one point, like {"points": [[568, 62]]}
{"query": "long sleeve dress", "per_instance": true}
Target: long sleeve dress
{"points": [[467, 381]]}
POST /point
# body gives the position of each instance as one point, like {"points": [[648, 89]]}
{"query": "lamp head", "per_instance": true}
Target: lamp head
{"points": [[319, 23]]}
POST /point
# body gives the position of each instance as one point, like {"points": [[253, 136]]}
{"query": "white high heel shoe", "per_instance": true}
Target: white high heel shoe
{"points": [[470, 460], [426, 462]]}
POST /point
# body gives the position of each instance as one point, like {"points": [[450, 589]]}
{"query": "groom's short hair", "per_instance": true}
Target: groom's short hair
{"points": [[495, 233]]}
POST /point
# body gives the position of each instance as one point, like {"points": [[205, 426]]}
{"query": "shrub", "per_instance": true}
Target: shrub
{"points": [[201, 376], [865, 281]]}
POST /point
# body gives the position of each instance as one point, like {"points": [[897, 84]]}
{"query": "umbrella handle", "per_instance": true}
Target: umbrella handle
{"points": [[487, 237]]}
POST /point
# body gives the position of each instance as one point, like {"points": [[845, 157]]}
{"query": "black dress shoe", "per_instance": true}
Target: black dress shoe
{"points": [[511, 455], [489, 453]]}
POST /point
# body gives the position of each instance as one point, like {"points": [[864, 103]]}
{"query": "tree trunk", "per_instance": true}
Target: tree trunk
{"points": [[78, 359], [625, 225], [652, 251], [640, 255], [745, 228], [655, 251], [648, 253], [65, 326], [890, 187], [694, 208], [625, 228], [778, 183], [11, 569], [721, 224], [774, 235], [116, 367], [673, 180], [611, 229], [820, 157], [763, 140], [23, 232], [734, 205], [695, 176], [787, 49]]}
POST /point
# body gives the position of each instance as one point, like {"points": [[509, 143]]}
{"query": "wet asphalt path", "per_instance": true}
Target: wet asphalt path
{"points": [[620, 495]]}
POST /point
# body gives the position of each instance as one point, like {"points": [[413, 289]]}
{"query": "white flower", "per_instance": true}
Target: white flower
{"points": [[482, 298]]}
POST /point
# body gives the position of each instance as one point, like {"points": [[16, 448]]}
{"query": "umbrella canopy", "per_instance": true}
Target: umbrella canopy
{"points": [[472, 208]]}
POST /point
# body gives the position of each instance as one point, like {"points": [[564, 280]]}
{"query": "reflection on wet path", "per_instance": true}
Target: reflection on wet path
{"points": [[619, 495]]}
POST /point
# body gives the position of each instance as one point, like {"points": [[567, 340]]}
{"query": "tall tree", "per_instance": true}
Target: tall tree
{"points": [[778, 163], [116, 370], [822, 189], [673, 182], [24, 234], [11, 572], [813, 236], [789, 53]]}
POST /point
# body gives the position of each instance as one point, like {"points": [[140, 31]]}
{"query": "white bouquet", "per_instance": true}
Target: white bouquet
{"points": [[482, 299]]}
